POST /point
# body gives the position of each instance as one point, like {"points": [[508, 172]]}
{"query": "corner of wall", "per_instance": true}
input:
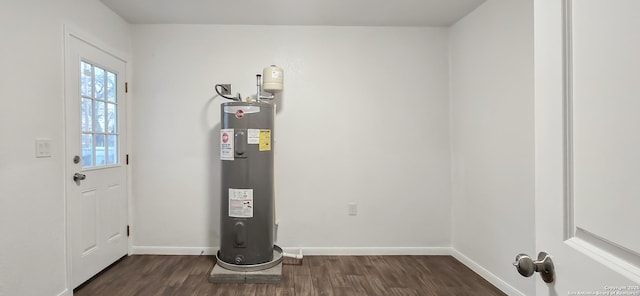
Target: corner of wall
{"points": [[491, 139], [66, 292], [486, 274]]}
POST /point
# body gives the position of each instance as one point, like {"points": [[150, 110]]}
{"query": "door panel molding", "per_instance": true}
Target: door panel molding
{"points": [[567, 69], [609, 253]]}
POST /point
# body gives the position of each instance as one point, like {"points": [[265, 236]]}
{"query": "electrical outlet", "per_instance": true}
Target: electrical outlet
{"points": [[353, 209], [225, 89]]}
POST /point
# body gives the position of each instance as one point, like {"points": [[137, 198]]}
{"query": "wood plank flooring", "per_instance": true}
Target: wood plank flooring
{"points": [[317, 275]]}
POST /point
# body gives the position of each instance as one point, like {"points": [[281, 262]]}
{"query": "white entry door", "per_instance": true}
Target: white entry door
{"points": [[95, 160], [587, 143]]}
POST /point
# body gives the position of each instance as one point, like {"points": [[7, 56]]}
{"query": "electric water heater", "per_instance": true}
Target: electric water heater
{"points": [[247, 190]]}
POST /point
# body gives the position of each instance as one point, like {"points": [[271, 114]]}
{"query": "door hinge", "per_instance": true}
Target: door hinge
{"points": [[127, 159], [126, 87], [128, 230]]}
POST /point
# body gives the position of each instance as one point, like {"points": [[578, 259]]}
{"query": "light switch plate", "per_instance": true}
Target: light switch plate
{"points": [[43, 148]]}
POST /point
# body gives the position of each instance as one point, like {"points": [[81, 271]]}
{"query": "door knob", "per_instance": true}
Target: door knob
{"points": [[77, 177], [544, 265]]}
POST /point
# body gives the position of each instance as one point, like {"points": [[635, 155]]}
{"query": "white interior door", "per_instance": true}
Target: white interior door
{"points": [[95, 135], [587, 120]]}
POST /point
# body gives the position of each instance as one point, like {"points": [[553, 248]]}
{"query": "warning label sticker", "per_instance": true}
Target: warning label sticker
{"points": [[253, 136], [240, 203], [265, 140], [226, 144]]}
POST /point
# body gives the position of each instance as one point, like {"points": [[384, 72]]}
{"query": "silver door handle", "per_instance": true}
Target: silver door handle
{"points": [[77, 177], [527, 266]]}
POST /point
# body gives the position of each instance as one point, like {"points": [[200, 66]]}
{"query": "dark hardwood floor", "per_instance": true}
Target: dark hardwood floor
{"points": [[317, 275]]}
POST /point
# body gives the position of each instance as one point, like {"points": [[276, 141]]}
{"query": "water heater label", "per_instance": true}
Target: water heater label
{"points": [[253, 136], [226, 144], [240, 203], [265, 140]]}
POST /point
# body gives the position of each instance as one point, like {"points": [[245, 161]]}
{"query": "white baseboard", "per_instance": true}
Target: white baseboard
{"points": [[487, 275], [155, 250], [66, 292], [326, 251], [363, 251]]}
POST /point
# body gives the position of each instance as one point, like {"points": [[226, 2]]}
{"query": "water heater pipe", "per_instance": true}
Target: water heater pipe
{"points": [[259, 91], [259, 86]]}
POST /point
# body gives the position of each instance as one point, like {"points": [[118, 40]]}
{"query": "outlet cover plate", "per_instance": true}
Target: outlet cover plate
{"points": [[353, 209], [225, 89]]}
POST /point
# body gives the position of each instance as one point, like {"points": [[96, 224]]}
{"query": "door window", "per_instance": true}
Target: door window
{"points": [[99, 123]]}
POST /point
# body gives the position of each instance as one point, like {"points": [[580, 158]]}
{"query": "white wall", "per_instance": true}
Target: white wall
{"points": [[32, 209], [492, 140], [364, 118]]}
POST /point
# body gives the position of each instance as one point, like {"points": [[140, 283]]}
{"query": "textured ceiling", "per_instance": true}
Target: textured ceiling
{"points": [[295, 12]]}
